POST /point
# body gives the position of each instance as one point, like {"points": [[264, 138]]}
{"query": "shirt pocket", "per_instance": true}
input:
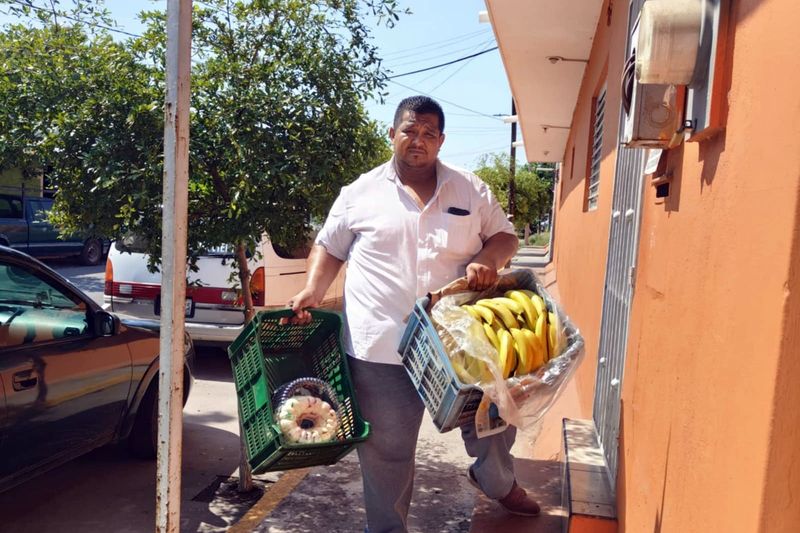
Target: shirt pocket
{"points": [[462, 235]]}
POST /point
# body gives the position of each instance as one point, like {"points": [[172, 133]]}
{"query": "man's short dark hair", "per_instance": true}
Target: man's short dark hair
{"points": [[421, 105]]}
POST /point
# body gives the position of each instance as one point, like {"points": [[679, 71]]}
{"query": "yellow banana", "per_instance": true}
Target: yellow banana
{"points": [[497, 325], [555, 336], [506, 356], [490, 333], [513, 305], [461, 372], [531, 314], [486, 314], [527, 292], [471, 310], [501, 311], [542, 333], [538, 354], [539, 304], [523, 352], [479, 369]]}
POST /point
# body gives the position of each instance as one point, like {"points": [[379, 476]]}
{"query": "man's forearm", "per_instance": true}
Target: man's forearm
{"points": [[322, 271], [498, 250]]}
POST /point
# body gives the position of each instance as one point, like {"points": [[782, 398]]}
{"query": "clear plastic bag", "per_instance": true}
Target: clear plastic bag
{"points": [[518, 400]]}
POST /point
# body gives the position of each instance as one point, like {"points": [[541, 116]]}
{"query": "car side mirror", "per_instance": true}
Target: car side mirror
{"points": [[105, 324]]}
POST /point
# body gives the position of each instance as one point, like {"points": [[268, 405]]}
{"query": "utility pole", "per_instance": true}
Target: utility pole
{"points": [[173, 266], [512, 167]]}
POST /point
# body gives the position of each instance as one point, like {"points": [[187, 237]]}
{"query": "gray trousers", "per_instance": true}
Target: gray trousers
{"points": [[388, 401]]}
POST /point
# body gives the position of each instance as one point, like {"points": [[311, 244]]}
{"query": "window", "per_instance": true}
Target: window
{"points": [[33, 310], [596, 151], [40, 210], [10, 207]]}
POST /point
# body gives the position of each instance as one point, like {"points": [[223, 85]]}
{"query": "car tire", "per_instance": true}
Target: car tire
{"points": [[142, 440], [92, 252]]}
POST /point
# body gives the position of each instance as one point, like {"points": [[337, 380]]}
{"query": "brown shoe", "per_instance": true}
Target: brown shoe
{"points": [[518, 502]]}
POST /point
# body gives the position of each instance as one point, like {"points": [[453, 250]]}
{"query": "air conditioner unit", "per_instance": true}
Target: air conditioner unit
{"points": [[652, 112]]}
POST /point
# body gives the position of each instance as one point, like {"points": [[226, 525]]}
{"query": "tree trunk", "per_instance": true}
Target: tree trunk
{"points": [[245, 476]]}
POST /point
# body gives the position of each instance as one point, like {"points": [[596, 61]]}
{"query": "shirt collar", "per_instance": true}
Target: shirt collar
{"points": [[442, 173]]}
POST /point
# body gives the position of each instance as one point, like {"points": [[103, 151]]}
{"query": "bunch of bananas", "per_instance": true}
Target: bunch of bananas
{"points": [[522, 331]]}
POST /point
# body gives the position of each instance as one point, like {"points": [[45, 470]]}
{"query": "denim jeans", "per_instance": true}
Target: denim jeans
{"points": [[388, 401]]}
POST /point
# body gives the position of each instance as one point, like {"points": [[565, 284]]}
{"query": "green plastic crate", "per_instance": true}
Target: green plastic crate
{"points": [[266, 355]]}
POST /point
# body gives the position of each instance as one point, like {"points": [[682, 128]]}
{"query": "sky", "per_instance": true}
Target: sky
{"points": [[473, 93]]}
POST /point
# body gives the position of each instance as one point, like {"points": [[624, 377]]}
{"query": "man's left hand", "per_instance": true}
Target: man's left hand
{"points": [[480, 276]]}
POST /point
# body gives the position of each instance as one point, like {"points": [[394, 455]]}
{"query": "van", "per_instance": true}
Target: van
{"points": [[214, 312]]}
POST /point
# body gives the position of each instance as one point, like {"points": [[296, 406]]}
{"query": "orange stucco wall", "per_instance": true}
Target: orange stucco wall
{"points": [[710, 426]]}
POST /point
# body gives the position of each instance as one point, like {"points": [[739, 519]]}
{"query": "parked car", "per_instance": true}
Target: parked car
{"points": [[214, 312], [73, 377], [24, 226]]}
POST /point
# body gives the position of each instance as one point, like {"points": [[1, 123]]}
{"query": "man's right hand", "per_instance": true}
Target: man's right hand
{"points": [[300, 303]]}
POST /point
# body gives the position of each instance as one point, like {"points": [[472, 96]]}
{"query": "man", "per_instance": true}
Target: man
{"points": [[406, 228]]}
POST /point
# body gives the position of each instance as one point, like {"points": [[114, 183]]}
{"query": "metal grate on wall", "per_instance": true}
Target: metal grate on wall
{"points": [[597, 150], [623, 243]]}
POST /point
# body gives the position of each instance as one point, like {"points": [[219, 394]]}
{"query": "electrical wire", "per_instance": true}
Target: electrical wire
{"points": [[443, 64], [417, 91], [435, 73], [439, 53], [456, 71], [74, 19], [399, 54]]}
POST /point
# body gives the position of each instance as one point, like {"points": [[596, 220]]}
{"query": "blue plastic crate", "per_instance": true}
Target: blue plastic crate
{"points": [[451, 403]]}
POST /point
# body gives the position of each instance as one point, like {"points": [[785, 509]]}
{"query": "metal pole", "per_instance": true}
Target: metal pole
{"points": [[173, 265], [512, 167], [551, 245]]}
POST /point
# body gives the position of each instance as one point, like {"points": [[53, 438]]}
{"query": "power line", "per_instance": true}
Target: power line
{"points": [[440, 52], [400, 54], [443, 64], [417, 91], [456, 71], [435, 73], [74, 19]]}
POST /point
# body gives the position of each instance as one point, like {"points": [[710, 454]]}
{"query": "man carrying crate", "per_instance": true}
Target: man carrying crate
{"points": [[407, 228]]}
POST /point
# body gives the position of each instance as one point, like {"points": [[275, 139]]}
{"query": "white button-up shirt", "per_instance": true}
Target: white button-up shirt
{"points": [[397, 252]]}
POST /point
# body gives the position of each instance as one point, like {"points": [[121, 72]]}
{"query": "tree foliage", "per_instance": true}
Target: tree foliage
{"points": [[278, 123], [534, 193]]}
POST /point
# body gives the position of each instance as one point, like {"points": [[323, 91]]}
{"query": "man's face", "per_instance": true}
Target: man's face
{"points": [[417, 139]]}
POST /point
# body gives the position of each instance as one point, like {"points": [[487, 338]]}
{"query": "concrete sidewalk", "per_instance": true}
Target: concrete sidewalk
{"points": [[330, 498]]}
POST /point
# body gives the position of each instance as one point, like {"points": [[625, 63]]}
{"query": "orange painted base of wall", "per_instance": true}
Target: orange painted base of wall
{"points": [[591, 524]]}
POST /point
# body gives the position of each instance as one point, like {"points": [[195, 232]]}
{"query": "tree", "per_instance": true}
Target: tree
{"points": [[534, 193], [278, 123]]}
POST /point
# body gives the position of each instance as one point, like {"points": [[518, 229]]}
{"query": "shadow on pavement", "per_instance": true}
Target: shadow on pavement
{"points": [[212, 364], [330, 499], [108, 490]]}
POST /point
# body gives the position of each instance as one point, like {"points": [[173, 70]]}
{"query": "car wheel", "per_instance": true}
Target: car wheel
{"points": [[142, 440], [92, 252]]}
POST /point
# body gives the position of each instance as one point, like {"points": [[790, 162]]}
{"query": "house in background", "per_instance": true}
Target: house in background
{"points": [[12, 181], [676, 246]]}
